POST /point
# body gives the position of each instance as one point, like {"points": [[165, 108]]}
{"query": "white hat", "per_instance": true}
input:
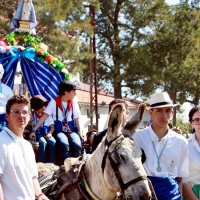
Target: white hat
{"points": [[160, 100]]}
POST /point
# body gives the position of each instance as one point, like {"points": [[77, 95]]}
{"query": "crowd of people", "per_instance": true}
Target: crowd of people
{"points": [[172, 161]]}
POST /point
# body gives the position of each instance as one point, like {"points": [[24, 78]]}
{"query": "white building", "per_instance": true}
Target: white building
{"points": [[104, 98]]}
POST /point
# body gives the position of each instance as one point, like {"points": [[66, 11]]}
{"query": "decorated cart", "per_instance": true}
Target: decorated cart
{"points": [[41, 71]]}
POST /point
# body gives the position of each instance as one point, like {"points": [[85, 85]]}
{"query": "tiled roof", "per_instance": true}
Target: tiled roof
{"points": [[103, 96]]}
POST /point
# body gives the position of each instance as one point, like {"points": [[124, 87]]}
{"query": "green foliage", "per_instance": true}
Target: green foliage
{"points": [[122, 28], [23, 38], [184, 126]]}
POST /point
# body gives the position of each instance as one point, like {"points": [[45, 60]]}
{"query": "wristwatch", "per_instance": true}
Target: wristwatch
{"points": [[33, 131]]}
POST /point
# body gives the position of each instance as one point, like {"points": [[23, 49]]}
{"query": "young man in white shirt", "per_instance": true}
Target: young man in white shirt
{"points": [[166, 151], [18, 170], [66, 114]]}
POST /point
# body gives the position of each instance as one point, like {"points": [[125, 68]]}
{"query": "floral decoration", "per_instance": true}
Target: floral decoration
{"points": [[23, 41]]}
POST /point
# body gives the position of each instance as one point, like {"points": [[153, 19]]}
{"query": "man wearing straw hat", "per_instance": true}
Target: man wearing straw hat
{"points": [[166, 150]]}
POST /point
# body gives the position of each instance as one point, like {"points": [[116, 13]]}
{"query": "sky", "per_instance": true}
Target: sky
{"points": [[173, 2]]}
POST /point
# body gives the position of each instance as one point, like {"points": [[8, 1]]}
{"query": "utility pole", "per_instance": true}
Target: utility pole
{"points": [[93, 74]]}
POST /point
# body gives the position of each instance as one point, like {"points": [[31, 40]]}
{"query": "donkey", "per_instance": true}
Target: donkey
{"points": [[116, 164]]}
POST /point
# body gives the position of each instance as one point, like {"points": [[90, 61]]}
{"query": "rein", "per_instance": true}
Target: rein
{"points": [[152, 190], [107, 144], [88, 189]]}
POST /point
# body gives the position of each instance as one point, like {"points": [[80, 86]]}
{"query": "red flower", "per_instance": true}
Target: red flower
{"points": [[39, 52], [48, 58]]}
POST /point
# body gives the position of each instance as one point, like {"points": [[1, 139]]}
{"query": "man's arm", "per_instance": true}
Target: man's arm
{"points": [[187, 192], [39, 123], [37, 190], [52, 128], [77, 124]]}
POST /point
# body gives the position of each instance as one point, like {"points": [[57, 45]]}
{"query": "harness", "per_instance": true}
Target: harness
{"points": [[78, 182], [115, 161]]}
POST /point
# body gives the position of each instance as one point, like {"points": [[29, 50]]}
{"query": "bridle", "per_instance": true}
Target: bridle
{"points": [[115, 161]]}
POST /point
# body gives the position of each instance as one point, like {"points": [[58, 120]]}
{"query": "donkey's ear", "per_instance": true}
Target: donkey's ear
{"points": [[132, 124], [115, 121]]}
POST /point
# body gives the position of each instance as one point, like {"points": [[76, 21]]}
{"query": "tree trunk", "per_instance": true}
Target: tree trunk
{"points": [[117, 90]]}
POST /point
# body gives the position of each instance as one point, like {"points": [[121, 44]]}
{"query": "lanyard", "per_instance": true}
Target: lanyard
{"points": [[65, 112], [159, 156]]}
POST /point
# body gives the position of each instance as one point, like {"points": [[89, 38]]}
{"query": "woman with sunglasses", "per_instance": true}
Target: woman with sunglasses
{"points": [[191, 185]]}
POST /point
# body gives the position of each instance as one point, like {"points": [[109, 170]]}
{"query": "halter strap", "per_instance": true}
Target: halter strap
{"points": [[107, 144], [119, 178], [115, 166]]}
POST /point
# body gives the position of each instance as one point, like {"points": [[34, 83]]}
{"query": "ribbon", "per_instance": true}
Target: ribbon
{"points": [[28, 53], [38, 115], [59, 103]]}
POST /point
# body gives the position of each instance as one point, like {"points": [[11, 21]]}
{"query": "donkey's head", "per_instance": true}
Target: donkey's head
{"points": [[122, 162]]}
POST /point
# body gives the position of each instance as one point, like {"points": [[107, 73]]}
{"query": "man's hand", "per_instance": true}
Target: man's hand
{"points": [[48, 135], [42, 197], [32, 136]]}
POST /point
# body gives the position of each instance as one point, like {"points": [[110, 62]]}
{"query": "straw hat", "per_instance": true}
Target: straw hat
{"points": [[160, 100]]}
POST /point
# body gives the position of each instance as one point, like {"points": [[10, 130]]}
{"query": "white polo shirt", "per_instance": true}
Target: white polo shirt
{"points": [[48, 122], [51, 110], [17, 167], [5, 94], [173, 160], [194, 150]]}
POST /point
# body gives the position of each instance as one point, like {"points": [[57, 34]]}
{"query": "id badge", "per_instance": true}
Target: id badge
{"points": [[65, 127]]}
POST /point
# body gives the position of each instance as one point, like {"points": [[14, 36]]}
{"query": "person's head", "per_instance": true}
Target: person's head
{"points": [[90, 136], [194, 118], [161, 109], [67, 88], [38, 103], [17, 112]]}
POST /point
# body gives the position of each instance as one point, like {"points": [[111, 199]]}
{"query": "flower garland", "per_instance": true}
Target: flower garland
{"points": [[22, 41]]}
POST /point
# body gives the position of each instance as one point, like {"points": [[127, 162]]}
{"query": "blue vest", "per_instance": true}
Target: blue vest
{"points": [[166, 188]]}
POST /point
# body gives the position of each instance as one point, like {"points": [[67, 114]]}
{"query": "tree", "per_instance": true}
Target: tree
{"points": [[7, 9], [176, 40], [171, 47], [122, 27]]}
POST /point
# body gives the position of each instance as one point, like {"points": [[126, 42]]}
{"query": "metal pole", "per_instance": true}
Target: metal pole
{"points": [[93, 74]]}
